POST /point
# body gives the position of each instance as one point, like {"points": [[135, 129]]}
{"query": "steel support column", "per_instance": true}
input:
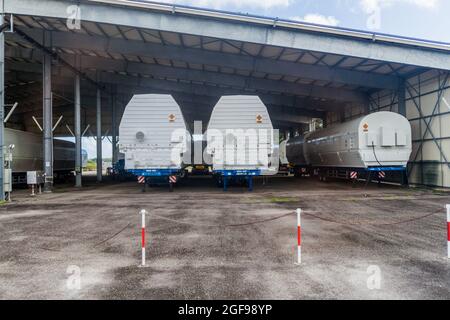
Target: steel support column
{"points": [[114, 126], [2, 106], [77, 131], [402, 99], [99, 136], [47, 113]]}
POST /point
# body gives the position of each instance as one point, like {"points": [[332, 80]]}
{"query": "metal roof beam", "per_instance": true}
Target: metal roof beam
{"points": [[236, 81], [198, 56], [88, 99], [134, 85], [242, 29], [196, 107]]}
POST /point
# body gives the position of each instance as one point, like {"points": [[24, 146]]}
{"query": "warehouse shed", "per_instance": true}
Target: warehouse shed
{"points": [[86, 71]]}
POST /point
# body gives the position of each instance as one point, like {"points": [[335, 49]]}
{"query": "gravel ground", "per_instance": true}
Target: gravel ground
{"points": [[207, 244]]}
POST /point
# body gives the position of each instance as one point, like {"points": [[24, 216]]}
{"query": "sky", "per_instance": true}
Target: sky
{"points": [[424, 19]]}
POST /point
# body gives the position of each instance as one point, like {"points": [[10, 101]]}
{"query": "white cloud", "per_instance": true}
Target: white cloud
{"points": [[372, 5], [220, 4], [318, 19]]}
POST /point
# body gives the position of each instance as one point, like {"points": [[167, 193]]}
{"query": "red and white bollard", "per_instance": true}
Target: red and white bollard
{"points": [[448, 231], [143, 212], [299, 236]]}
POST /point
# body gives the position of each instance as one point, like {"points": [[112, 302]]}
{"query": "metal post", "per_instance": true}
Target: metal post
{"points": [[48, 117], [448, 230], [2, 107], [99, 137], [113, 127], [77, 130], [299, 236], [143, 212], [402, 99]]}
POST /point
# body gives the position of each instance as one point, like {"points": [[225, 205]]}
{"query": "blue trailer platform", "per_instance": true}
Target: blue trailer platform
{"points": [[157, 176], [226, 176]]}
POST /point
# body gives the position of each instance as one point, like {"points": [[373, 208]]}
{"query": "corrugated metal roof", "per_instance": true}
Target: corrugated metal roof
{"points": [[279, 22]]}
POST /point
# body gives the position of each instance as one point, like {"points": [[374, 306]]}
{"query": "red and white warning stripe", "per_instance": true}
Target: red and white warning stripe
{"points": [[354, 175], [299, 236], [381, 174], [173, 179], [448, 231], [141, 179], [143, 212]]}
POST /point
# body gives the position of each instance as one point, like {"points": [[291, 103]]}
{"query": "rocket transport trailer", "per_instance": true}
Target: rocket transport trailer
{"points": [[377, 144], [246, 114], [153, 138]]}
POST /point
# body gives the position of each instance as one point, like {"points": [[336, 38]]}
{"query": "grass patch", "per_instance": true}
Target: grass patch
{"points": [[283, 199], [2, 202], [269, 199], [388, 198]]}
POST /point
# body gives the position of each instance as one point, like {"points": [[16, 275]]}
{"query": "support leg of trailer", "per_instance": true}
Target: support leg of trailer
{"points": [[170, 187], [144, 185], [404, 178], [250, 183], [224, 183], [368, 178]]}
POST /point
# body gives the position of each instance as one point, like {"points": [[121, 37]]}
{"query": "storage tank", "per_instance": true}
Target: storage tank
{"points": [[294, 149], [153, 136], [245, 130], [378, 140]]}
